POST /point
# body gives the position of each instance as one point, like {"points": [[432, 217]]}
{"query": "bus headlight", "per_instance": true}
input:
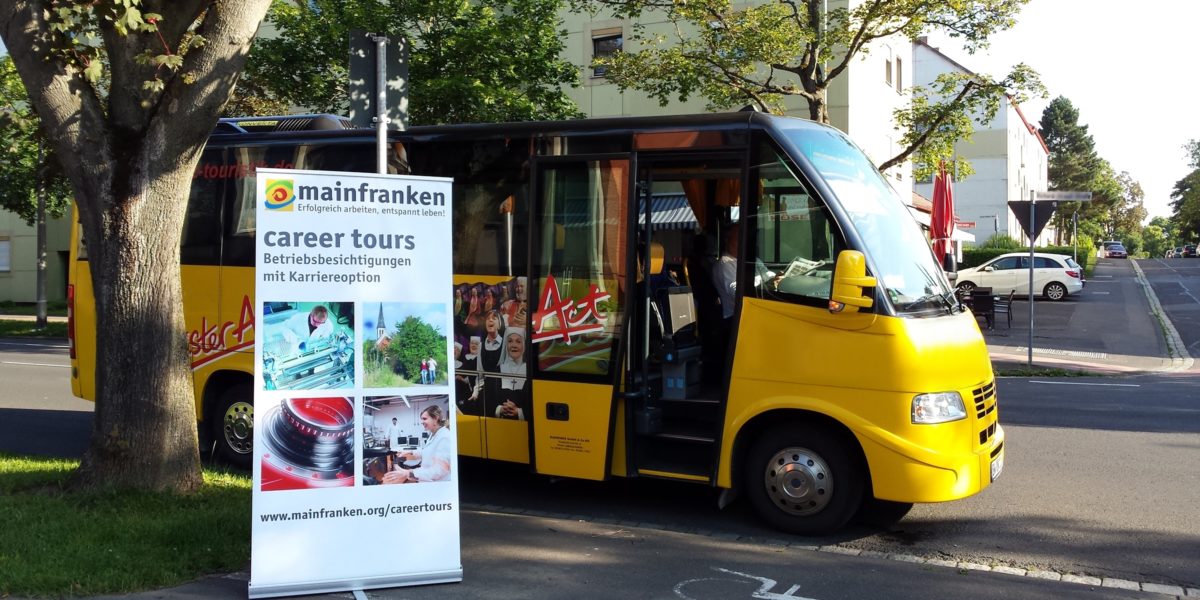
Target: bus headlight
{"points": [[940, 407]]}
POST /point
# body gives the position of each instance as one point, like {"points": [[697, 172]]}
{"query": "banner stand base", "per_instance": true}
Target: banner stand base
{"points": [[355, 585]]}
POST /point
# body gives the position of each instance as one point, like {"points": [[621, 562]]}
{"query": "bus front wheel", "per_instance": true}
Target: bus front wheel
{"points": [[233, 425], [804, 480]]}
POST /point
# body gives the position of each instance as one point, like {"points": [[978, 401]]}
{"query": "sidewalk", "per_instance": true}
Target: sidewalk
{"points": [[1160, 349], [49, 318]]}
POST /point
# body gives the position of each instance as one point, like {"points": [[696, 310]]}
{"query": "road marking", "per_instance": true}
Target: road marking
{"points": [[1102, 276], [762, 593], [6, 362], [1055, 351], [1085, 383], [1099, 293], [28, 345]]}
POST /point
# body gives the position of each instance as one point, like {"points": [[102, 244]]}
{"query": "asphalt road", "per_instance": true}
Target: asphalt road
{"points": [[38, 414], [1176, 282], [1099, 481]]}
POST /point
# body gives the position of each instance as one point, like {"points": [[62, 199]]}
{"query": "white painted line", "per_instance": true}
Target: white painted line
{"points": [[1099, 293], [1102, 276], [5, 362], [29, 345], [1085, 383]]}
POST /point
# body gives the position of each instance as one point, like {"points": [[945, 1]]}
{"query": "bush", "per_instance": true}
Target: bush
{"points": [[973, 257]]}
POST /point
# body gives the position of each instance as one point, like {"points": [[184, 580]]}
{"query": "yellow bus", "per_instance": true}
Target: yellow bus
{"points": [[737, 300]]}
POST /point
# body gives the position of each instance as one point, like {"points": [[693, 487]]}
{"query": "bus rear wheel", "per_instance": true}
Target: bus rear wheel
{"points": [[232, 425], [803, 480]]}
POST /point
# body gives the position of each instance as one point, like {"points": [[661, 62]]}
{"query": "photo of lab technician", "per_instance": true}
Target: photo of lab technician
{"points": [[407, 439], [308, 345], [433, 459]]}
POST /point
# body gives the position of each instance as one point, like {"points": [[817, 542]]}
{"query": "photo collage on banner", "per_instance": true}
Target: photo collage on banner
{"points": [[354, 383], [490, 327]]}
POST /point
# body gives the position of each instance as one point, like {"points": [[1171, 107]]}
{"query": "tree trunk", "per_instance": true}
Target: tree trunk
{"points": [[818, 106], [144, 428]]}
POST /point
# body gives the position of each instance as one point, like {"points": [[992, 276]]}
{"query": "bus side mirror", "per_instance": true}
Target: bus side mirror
{"points": [[849, 280]]}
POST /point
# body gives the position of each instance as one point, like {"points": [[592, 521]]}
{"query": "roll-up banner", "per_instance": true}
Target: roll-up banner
{"points": [[355, 464]]}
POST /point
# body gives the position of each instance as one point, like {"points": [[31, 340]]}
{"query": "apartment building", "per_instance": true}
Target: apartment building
{"points": [[1008, 155], [861, 100]]}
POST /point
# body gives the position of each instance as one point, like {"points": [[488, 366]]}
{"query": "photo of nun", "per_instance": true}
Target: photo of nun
{"points": [[512, 399], [468, 381]]}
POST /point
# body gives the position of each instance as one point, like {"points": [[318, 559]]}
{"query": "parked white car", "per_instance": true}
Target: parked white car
{"points": [[1055, 276]]}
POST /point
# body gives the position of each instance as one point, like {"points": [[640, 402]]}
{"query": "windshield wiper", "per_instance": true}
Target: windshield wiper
{"points": [[935, 299]]}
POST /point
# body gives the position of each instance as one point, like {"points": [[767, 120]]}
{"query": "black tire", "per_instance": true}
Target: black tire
{"points": [[1055, 291], [804, 480], [232, 425], [882, 513], [965, 288]]}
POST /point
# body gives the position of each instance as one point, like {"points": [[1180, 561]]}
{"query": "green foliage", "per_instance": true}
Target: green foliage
{"points": [[973, 257], [946, 112], [22, 169], [1001, 241], [487, 61], [1185, 202], [81, 26], [59, 544], [414, 340], [1075, 166], [1185, 197]]}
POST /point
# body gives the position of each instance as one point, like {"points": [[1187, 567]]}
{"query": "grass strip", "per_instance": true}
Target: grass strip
{"points": [[9, 328], [56, 543]]}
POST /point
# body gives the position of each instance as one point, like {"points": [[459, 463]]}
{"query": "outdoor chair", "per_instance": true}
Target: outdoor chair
{"points": [[984, 305], [1003, 306]]}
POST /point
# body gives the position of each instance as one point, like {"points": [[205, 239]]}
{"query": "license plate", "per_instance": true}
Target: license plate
{"points": [[997, 465]]}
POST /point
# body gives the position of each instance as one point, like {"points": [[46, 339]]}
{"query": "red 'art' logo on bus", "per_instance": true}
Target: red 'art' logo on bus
{"points": [[572, 317]]}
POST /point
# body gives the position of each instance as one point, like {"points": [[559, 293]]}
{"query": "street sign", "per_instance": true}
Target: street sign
{"points": [[363, 85], [1063, 196], [1042, 213], [965, 224]]}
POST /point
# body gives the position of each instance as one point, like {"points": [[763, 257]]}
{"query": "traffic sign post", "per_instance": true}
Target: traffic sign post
{"points": [[1033, 228]]}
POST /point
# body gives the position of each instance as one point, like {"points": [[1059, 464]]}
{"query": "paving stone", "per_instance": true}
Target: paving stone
{"points": [[1158, 588], [1008, 570], [1051, 575], [974, 566], [1121, 584]]}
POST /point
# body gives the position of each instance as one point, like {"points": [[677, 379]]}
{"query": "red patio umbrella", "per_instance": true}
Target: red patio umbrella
{"points": [[941, 222]]}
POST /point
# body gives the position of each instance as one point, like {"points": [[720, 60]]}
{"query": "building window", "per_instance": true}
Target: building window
{"points": [[899, 75], [5, 255], [887, 71], [604, 44]]}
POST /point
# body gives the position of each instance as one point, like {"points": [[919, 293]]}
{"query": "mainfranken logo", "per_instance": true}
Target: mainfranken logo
{"points": [[280, 195]]}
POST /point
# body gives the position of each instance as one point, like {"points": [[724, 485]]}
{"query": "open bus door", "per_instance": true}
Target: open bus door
{"points": [[580, 217], [680, 348]]}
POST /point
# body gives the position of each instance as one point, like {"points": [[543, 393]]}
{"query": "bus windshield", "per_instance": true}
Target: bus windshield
{"points": [[894, 244]]}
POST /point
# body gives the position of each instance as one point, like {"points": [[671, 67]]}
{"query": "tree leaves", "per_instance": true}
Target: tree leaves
{"points": [[493, 60], [21, 171]]}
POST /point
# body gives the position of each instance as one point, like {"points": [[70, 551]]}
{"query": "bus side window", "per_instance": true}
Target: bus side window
{"points": [[238, 247], [795, 239], [491, 212], [201, 242]]}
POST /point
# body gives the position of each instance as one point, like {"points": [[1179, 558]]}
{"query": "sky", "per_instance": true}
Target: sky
{"points": [[1129, 71]]}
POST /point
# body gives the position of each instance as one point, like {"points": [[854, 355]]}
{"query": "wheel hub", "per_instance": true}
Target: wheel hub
{"points": [[239, 427], [798, 481]]}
